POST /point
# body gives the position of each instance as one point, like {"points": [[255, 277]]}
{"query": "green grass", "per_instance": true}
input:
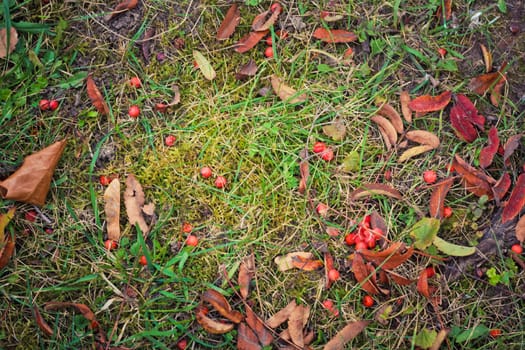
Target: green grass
{"points": [[254, 140]]}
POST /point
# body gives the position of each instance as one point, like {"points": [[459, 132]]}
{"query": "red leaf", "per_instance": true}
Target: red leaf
{"points": [[501, 187], [123, 6], [429, 103], [361, 274], [349, 332], [249, 41], [96, 97], [211, 325], [488, 152], [247, 70], [422, 284], [334, 35], [229, 23], [474, 180], [42, 324], [265, 20], [446, 9], [516, 200], [462, 117], [510, 146], [437, 199], [484, 82], [219, 303], [389, 258], [495, 95]]}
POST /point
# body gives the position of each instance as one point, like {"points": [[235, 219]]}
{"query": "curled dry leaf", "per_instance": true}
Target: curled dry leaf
{"points": [[334, 35], [388, 111], [223, 307], [81, 308], [42, 324], [301, 260], [285, 92], [414, 151], [349, 332], [405, 109], [7, 46], [422, 284], [125, 5], [386, 138], [204, 65], [134, 201], [31, 182], [423, 137], [246, 273], [488, 152], [229, 23], [265, 20], [112, 209], [391, 257], [487, 57], [474, 180], [510, 146], [282, 315], [374, 189], [336, 129], [96, 97], [387, 127], [247, 70], [362, 275], [437, 198], [248, 41], [501, 187], [520, 230], [427, 103], [210, 325], [516, 200], [483, 83]]}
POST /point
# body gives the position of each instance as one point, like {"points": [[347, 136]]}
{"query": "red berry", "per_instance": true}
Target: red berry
{"points": [[442, 52], [187, 227], [134, 111], [319, 147], [206, 172], [44, 105], [367, 220], [371, 243], [161, 107], [350, 239], [269, 41], [494, 333], [322, 209], [268, 52], [104, 180], [430, 271], [135, 82], [329, 305], [192, 240], [31, 215], [181, 345], [170, 140], [378, 233], [324, 14], [275, 7], [333, 275], [110, 244], [368, 301], [49, 230], [516, 248], [429, 176], [348, 52], [327, 155], [220, 182], [447, 212], [360, 245], [53, 105], [143, 261]]}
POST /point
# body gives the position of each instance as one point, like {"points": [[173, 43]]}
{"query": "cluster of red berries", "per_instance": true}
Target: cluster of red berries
{"points": [[220, 181], [48, 105], [326, 153], [364, 237]]}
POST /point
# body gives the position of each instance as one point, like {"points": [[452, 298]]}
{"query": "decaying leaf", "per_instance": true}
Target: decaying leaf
{"points": [[96, 97], [265, 20], [474, 180], [296, 324], [452, 249], [7, 46], [41, 323], [520, 230], [352, 162], [247, 70], [264, 336], [425, 338], [482, 83], [402, 281], [336, 129], [349, 332], [463, 117], [501, 187], [223, 307], [229, 23], [495, 94], [147, 43], [304, 169], [362, 275], [386, 110], [387, 127], [301, 260], [422, 284], [282, 315], [423, 137], [424, 232], [134, 201], [31, 182], [488, 152], [334, 35], [414, 151], [375, 189], [125, 5], [437, 198], [81, 308], [204, 65], [516, 200], [210, 325], [405, 109], [427, 103], [246, 338], [391, 257], [377, 221], [440, 338], [7, 249], [162, 107], [112, 209], [510, 146], [249, 41], [285, 92], [487, 57], [246, 273]]}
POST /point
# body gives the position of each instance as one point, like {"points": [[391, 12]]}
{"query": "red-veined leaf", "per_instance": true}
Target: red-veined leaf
{"points": [[361, 274], [488, 152], [248, 41], [211, 325], [427, 103], [349, 332], [422, 284], [334, 35], [219, 303], [96, 97], [520, 230], [516, 200], [501, 187], [229, 23], [511, 145], [389, 258], [437, 199], [374, 189]]}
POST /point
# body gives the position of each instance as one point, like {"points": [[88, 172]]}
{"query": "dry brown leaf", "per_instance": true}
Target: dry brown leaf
{"points": [[285, 92], [96, 97], [147, 43], [349, 332], [304, 169], [368, 189], [13, 40], [295, 324], [402, 281], [520, 230], [31, 182], [437, 198], [286, 262], [223, 307], [510, 146], [487, 58], [414, 151], [82, 308], [388, 111], [306, 264], [264, 336], [328, 265], [246, 273], [362, 276], [336, 129], [266, 19], [474, 180], [495, 94], [112, 209], [282, 315], [230, 22], [405, 110], [387, 127], [423, 137], [125, 5], [6, 250], [482, 83], [246, 338], [42, 324], [134, 201], [210, 325], [386, 138], [441, 336], [248, 41], [247, 70]]}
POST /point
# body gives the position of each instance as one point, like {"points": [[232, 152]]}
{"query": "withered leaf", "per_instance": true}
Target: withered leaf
{"points": [[229, 23], [31, 182], [349, 332], [437, 198], [246, 273], [427, 103], [282, 315], [265, 20], [13, 40], [405, 109], [511, 145], [422, 284], [6, 250], [520, 230], [96, 97], [246, 338], [484, 82], [334, 35], [264, 336], [487, 57], [501, 187], [301, 260], [362, 276], [414, 151], [374, 189], [488, 152], [147, 43], [112, 209], [134, 201], [388, 128], [247, 70], [377, 221], [516, 200], [219, 303], [386, 138], [474, 180], [248, 41], [402, 281], [42, 324], [463, 117], [440, 338], [495, 94], [285, 92], [125, 5], [210, 325], [423, 137], [204, 65], [296, 324], [386, 110], [304, 169], [391, 257], [81, 308], [336, 129]]}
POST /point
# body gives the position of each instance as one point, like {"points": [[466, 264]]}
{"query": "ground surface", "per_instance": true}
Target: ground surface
{"points": [[245, 133]]}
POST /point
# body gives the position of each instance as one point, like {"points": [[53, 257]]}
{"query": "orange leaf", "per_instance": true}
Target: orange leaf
{"points": [[484, 82], [437, 199], [219, 303], [334, 35], [82, 308], [42, 324], [249, 41], [125, 5], [405, 109], [446, 10], [282, 315], [516, 200], [210, 325], [388, 111], [372, 189], [264, 336], [96, 97], [427, 103], [474, 181], [306, 264], [349, 332], [31, 182], [520, 230], [495, 94], [361, 274], [501, 187], [6, 251], [422, 284], [112, 209], [246, 338], [265, 20], [229, 23], [389, 258], [488, 152], [246, 272]]}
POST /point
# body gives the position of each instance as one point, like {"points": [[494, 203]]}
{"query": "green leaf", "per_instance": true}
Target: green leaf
{"points": [[352, 162], [473, 333], [425, 338], [448, 65], [424, 231], [74, 81], [502, 6], [204, 65], [453, 249]]}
